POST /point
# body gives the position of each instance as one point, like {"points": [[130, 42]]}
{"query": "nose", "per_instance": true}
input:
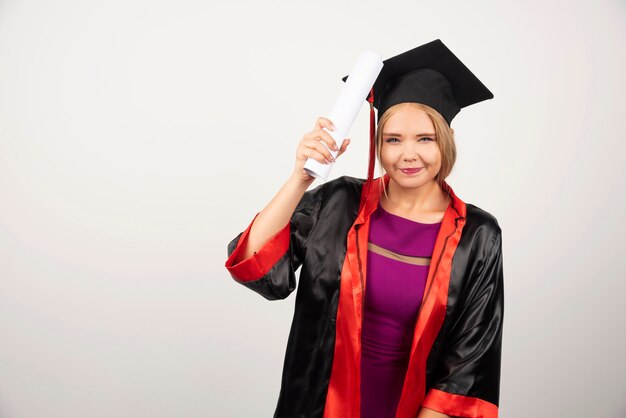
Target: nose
{"points": [[409, 153]]}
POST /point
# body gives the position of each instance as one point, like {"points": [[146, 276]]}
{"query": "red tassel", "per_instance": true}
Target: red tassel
{"points": [[372, 158], [372, 154]]}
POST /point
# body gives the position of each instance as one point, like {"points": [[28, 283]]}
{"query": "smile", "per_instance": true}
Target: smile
{"points": [[410, 171]]}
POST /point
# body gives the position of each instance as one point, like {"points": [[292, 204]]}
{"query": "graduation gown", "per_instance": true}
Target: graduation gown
{"points": [[454, 365]]}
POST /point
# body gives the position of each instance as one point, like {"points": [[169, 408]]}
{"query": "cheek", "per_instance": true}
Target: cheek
{"points": [[433, 156], [386, 156]]}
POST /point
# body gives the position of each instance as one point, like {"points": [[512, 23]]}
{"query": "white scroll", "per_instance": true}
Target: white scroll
{"points": [[352, 96]]}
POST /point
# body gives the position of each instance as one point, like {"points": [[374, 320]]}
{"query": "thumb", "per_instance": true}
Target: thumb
{"points": [[344, 146]]}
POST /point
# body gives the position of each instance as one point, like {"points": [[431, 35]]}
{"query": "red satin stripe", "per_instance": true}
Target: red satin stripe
{"points": [[458, 405], [261, 262], [343, 398]]}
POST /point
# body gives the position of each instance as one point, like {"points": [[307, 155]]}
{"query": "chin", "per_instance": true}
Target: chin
{"points": [[410, 183]]}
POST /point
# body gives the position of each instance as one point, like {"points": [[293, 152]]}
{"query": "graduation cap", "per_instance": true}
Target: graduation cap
{"points": [[429, 74]]}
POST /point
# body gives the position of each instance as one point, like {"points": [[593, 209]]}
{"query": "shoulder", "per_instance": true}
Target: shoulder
{"points": [[345, 184], [342, 188], [480, 217], [334, 199], [481, 226]]}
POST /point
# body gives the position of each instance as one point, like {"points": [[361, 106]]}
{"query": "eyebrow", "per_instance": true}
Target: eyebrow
{"points": [[394, 134]]}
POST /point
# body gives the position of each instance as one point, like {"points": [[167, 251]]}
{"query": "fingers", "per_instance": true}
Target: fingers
{"points": [[315, 149], [318, 143], [344, 146], [323, 123], [311, 153], [322, 135]]}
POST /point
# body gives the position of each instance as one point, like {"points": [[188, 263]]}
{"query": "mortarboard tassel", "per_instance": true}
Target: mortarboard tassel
{"points": [[370, 168], [372, 154]]}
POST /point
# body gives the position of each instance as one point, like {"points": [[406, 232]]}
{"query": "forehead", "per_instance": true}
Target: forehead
{"points": [[409, 118]]}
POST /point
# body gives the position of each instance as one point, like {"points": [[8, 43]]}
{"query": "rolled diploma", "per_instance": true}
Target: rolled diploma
{"points": [[353, 93]]}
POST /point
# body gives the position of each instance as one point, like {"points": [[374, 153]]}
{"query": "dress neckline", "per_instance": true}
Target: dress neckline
{"points": [[407, 219]]}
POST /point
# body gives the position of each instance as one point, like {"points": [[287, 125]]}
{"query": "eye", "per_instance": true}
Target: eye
{"points": [[425, 137], [391, 140]]}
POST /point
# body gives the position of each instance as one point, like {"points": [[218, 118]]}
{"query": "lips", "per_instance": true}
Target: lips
{"points": [[411, 170]]}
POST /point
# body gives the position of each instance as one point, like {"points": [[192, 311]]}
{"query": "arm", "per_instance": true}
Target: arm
{"points": [[274, 216], [279, 211], [429, 413], [266, 255]]}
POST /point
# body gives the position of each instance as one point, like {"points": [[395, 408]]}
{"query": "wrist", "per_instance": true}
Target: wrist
{"points": [[297, 180]]}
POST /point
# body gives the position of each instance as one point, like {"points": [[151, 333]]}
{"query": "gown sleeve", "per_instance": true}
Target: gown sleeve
{"points": [[271, 270], [467, 382]]}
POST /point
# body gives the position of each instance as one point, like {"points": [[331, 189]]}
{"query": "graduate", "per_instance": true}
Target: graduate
{"points": [[400, 300]]}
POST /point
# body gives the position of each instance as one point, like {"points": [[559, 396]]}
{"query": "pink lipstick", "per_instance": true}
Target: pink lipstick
{"points": [[411, 170]]}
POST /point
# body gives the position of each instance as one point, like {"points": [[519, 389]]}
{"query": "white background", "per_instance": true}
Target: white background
{"points": [[137, 138]]}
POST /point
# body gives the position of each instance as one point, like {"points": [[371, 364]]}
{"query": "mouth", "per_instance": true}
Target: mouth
{"points": [[411, 170]]}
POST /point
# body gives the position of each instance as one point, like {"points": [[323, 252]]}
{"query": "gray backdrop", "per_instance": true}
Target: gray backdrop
{"points": [[137, 138]]}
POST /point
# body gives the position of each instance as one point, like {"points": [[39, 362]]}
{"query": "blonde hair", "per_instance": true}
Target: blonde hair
{"points": [[445, 139]]}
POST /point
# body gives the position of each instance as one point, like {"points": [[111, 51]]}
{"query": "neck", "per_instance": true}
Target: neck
{"points": [[429, 197]]}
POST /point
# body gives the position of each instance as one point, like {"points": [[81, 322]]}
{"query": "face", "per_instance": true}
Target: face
{"points": [[410, 154]]}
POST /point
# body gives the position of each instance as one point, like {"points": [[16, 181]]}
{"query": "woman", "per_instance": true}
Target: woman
{"points": [[399, 309]]}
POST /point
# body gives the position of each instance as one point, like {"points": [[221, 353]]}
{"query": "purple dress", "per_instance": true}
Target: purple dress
{"points": [[393, 294]]}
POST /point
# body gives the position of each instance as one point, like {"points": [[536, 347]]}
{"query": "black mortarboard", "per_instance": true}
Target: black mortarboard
{"points": [[429, 74]]}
